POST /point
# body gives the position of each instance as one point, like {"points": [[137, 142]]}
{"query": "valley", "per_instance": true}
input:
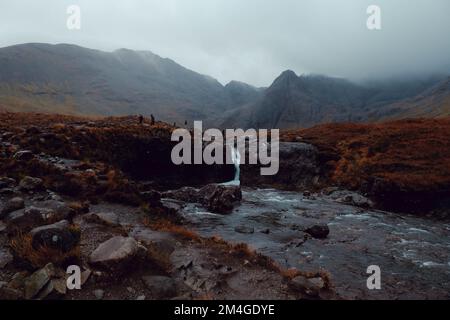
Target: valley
{"points": [[101, 186]]}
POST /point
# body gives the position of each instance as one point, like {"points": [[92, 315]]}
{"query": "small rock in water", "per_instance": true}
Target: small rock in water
{"points": [[220, 198], [318, 231], [244, 229], [141, 297]]}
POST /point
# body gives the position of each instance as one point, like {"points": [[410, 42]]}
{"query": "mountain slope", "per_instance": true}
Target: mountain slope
{"points": [[71, 79], [303, 101]]}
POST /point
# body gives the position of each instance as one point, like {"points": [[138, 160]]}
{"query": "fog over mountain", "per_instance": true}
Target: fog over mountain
{"points": [[251, 41], [70, 79]]}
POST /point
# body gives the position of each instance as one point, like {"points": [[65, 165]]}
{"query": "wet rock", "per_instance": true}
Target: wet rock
{"points": [[38, 280], [318, 231], [115, 254], [152, 197], [5, 257], [2, 227], [56, 236], [352, 198], [220, 198], [244, 229], [24, 155], [161, 287], [12, 205], [265, 231], [172, 208], [30, 184], [309, 286], [329, 190], [99, 294], [186, 194], [141, 298]]}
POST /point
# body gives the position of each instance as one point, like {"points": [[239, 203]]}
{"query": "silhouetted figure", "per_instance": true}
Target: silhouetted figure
{"points": [[152, 120], [185, 123], [174, 124], [141, 119]]}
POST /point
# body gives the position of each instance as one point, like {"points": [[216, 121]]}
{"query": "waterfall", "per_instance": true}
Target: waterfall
{"points": [[236, 158]]}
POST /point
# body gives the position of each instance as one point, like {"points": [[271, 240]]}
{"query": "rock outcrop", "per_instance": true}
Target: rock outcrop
{"points": [[298, 168]]}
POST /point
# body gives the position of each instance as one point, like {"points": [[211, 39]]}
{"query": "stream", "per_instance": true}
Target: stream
{"points": [[413, 253]]}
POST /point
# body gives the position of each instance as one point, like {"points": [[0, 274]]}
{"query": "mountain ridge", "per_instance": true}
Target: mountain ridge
{"points": [[69, 79]]}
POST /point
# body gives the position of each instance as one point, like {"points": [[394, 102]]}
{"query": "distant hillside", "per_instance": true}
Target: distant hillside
{"points": [[303, 101], [71, 79]]}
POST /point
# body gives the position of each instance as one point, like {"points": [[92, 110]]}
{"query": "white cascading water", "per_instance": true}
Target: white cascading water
{"points": [[236, 158]]}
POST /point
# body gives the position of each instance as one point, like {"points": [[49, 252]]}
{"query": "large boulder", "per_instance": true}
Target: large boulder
{"points": [[220, 198], [115, 254], [56, 236]]}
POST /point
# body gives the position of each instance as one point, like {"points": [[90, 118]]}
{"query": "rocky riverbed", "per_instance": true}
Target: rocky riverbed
{"points": [[413, 253]]}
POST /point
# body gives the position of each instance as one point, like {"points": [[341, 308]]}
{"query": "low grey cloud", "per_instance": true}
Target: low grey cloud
{"points": [[250, 40]]}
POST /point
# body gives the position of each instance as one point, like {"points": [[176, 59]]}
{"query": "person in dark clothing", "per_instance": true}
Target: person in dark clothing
{"points": [[141, 119], [152, 120]]}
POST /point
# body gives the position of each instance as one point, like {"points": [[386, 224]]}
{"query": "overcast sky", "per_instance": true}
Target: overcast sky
{"points": [[250, 40]]}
